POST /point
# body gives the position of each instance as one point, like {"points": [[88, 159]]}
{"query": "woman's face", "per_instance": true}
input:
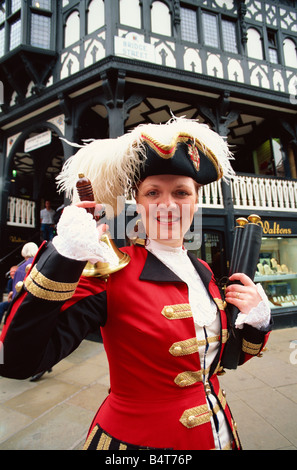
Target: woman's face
{"points": [[167, 204]]}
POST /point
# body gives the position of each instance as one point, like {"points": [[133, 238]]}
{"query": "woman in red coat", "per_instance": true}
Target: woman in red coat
{"points": [[162, 318]]}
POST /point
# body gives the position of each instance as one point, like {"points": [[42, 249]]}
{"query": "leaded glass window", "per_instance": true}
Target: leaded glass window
{"points": [[188, 25], [229, 36], [15, 34], [210, 30], [15, 5], [2, 12], [2, 41], [44, 4], [40, 31]]}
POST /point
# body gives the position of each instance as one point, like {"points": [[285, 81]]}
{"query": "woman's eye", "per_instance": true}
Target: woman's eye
{"points": [[151, 193]]}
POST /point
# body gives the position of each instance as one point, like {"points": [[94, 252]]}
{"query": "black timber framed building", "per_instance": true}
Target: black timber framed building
{"points": [[94, 69]]}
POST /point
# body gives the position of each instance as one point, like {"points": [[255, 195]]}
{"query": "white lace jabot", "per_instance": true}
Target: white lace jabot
{"points": [[176, 259]]}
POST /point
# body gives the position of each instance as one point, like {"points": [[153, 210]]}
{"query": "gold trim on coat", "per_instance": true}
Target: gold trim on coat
{"points": [[225, 335], [90, 438], [188, 377], [183, 348], [104, 442], [195, 416], [251, 348], [46, 283], [222, 304], [177, 312], [43, 288]]}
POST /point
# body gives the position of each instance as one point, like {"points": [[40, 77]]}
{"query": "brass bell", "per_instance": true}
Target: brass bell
{"points": [[103, 270], [99, 269]]}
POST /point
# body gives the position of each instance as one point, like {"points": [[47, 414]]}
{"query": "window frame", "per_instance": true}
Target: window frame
{"points": [[235, 24], [285, 57], [275, 48], [66, 18], [171, 22], [24, 14], [219, 17], [12, 19], [261, 37], [44, 13], [124, 25], [195, 11]]}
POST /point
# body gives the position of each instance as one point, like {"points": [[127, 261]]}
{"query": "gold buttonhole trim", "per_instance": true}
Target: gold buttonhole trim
{"points": [[176, 312], [188, 377], [195, 416], [183, 348]]}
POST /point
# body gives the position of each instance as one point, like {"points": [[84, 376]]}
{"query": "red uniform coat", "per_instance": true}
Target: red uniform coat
{"points": [[157, 396]]}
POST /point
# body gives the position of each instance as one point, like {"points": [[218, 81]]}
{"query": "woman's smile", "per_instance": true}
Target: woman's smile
{"points": [[167, 218]]}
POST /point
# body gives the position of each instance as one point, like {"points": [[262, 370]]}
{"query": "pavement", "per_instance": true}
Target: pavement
{"points": [[55, 412]]}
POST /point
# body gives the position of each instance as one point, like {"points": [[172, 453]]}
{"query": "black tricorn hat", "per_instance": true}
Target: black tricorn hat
{"points": [[183, 156], [179, 147]]}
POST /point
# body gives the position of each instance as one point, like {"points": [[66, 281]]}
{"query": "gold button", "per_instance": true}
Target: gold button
{"points": [[18, 286], [177, 349], [191, 420], [169, 311], [182, 383], [223, 392]]}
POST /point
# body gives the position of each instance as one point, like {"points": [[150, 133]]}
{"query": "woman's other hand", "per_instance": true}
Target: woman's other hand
{"points": [[245, 295]]}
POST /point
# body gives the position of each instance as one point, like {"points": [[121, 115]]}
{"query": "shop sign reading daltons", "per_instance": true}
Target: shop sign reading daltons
{"points": [[134, 47], [275, 228]]}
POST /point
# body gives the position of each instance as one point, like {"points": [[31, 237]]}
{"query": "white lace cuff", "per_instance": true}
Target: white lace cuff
{"points": [[78, 238], [258, 317]]}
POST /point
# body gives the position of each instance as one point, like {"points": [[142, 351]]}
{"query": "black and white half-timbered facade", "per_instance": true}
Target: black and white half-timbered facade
{"points": [[93, 69]]}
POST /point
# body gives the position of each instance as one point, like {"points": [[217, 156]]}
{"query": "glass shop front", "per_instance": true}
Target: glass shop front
{"points": [[277, 266]]}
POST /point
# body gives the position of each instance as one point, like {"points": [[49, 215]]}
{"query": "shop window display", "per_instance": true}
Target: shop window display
{"points": [[277, 271]]}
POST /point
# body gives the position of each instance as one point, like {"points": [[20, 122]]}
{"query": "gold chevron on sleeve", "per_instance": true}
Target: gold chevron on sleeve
{"points": [[43, 288], [251, 348]]}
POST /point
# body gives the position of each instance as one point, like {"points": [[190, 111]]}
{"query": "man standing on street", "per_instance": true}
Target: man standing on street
{"points": [[47, 222]]}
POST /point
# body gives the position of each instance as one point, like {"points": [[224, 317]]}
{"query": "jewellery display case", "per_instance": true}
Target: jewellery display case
{"points": [[277, 271]]}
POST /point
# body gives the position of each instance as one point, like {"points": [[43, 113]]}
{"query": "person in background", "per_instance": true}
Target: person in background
{"points": [[47, 222], [5, 304], [29, 250]]}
